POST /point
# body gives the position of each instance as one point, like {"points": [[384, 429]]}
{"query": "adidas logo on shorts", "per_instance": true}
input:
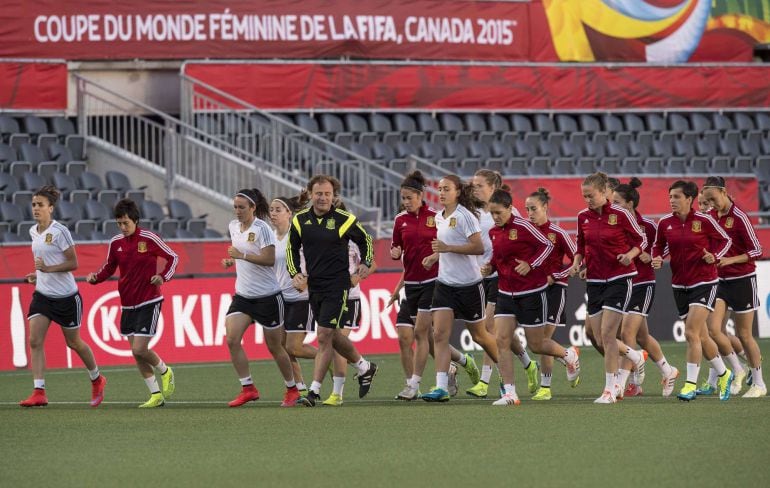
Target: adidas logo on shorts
{"points": [[550, 317], [144, 329], [703, 300], [475, 316]]}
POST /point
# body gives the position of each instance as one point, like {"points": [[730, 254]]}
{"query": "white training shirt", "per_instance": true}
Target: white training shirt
{"points": [[50, 245], [454, 230], [290, 294], [253, 280], [354, 255]]}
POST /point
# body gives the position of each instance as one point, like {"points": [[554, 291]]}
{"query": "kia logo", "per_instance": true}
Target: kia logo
{"points": [[104, 326]]}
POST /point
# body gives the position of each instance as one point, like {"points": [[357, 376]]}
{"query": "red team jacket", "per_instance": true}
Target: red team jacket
{"points": [[414, 234], [685, 242], [601, 238], [562, 246], [137, 258], [738, 227], [645, 273], [519, 239]]}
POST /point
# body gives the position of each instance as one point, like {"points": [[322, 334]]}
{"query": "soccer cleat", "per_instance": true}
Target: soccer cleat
{"points": [[334, 400], [687, 393], [607, 397], [452, 380], [573, 368], [167, 380], [756, 391], [436, 394], [618, 393], [533, 376], [290, 397], [156, 400], [669, 381], [36, 399], [479, 390], [633, 390], [507, 399], [724, 383], [249, 393], [310, 400], [543, 393], [737, 385], [750, 378], [408, 394], [303, 392], [471, 368], [640, 369], [365, 380], [97, 390], [706, 389]]}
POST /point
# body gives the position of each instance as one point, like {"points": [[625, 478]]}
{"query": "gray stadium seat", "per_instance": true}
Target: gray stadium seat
{"points": [[32, 181], [91, 182], [34, 126], [8, 185], [95, 210], [152, 211], [11, 214], [612, 123], [23, 200], [521, 123], [64, 182], [67, 213]]}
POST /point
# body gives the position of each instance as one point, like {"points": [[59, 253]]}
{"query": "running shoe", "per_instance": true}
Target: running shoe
{"points": [[479, 390], [334, 400], [633, 390], [408, 394], [507, 399], [687, 393], [533, 376], [706, 389], [249, 393], [471, 368], [36, 399], [452, 380], [436, 394], [756, 391], [365, 380], [310, 400], [290, 397], [156, 400], [724, 383], [669, 381], [606, 398], [573, 368], [97, 390], [543, 393], [167, 379], [737, 385]]}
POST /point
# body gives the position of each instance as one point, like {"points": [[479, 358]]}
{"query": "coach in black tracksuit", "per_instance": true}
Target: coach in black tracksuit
{"points": [[323, 233]]}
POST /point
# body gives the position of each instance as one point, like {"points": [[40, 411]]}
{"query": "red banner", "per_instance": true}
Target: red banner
{"points": [[33, 86], [455, 87], [190, 330]]}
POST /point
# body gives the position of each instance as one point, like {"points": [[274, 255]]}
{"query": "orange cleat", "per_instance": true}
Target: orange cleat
{"points": [[97, 390], [290, 397], [36, 399], [248, 394], [633, 390]]}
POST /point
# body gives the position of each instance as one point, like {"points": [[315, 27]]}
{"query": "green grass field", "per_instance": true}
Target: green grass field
{"points": [[197, 441]]}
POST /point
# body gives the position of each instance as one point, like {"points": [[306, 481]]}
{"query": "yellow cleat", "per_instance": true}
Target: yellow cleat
{"points": [[479, 390], [334, 400], [543, 393], [167, 379], [156, 400], [533, 376]]}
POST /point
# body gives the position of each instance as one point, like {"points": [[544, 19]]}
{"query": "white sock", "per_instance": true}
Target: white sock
{"points": [[732, 360], [634, 355], [463, 360], [635, 377], [152, 384], [545, 380], [623, 377], [290, 383], [339, 384], [246, 381], [510, 389], [486, 373], [414, 382], [39, 384], [315, 387], [718, 365], [524, 358], [362, 365], [161, 367], [93, 373], [743, 356], [712, 377], [663, 366], [301, 386], [609, 381], [692, 373], [442, 380], [756, 377]]}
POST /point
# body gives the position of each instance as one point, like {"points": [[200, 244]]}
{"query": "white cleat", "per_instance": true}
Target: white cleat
{"points": [[737, 384], [756, 392], [640, 367], [573, 366], [408, 394], [452, 380], [507, 399], [607, 397], [669, 381]]}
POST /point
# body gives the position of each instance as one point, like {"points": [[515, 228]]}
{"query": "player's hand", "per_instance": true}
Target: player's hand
{"points": [[574, 270], [40, 265], [31, 278], [625, 259], [551, 280], [363, 271], [725, 262], [393, 299], [708, 257], [234, 253], [583, 273], [645, 257], [355, 279], [91, 278], [227, 262], [299, 281], [395, 252], [486, 270], [156, 280], [429, 261], [439, 246], [657, 262], [523, 268]]}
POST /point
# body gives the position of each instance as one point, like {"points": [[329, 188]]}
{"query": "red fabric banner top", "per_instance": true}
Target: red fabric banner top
{"points": [[33, 86]]}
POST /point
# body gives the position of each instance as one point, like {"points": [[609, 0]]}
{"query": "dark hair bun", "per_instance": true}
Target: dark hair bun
{"points": [[634, 182]]}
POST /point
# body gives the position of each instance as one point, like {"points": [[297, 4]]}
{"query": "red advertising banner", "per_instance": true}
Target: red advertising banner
{"points": [[322, 86], [33, 86], [191, 328]]}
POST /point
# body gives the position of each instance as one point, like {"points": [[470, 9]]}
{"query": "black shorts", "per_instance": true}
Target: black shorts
{"points": [[352, 318], [642, 296], [418, 297], [530, 310], [404, 319], [557, 302], [329, 308], [266, 311], [490, 289], [65, 311], [612, 295], [297, 317], [467, 302], [140, 321], [739, 294], [700, 296]]}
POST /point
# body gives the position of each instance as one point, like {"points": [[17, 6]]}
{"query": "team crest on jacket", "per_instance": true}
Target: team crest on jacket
{"points": [[330, 224], [431, 222], [452, 223], [513, 234], [696, 226], [612, 219], [729, 223], [552, 237], [49, 238], [141, 247], [252, 237]]}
